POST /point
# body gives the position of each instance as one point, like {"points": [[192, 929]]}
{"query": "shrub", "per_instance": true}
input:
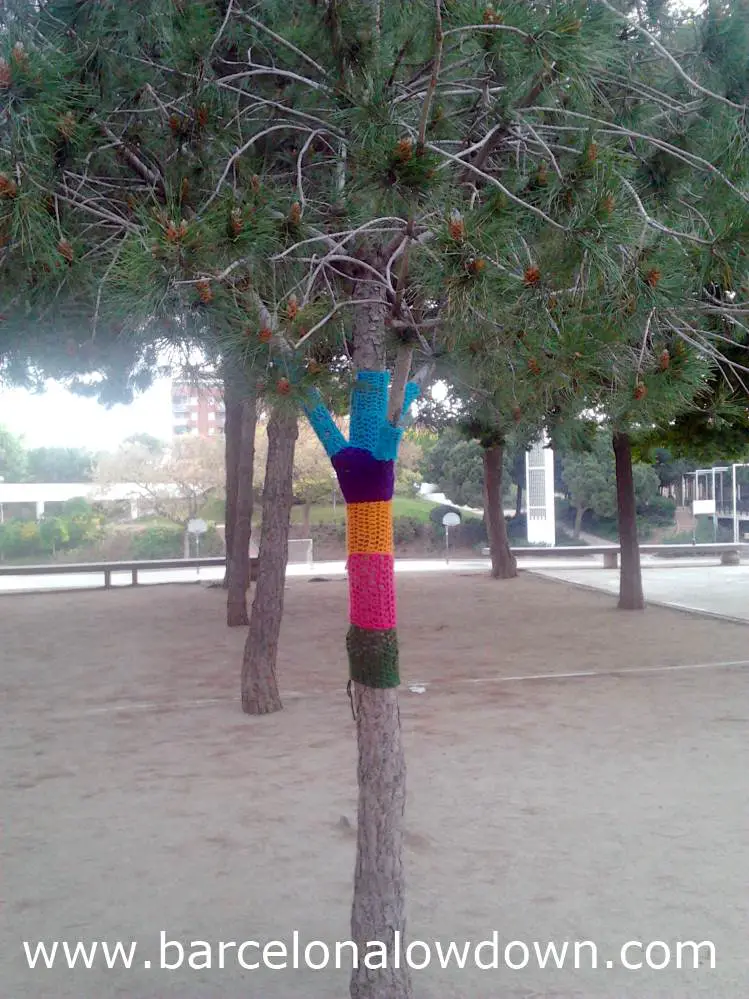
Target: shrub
{"points": [[158, 542], [406, 529], [660, 511], [19, 539]]}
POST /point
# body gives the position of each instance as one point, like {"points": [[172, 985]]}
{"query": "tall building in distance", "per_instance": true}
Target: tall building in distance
{"points": [[197, 408]]}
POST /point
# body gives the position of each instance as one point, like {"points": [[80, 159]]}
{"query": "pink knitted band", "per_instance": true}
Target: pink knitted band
{"points": [[372, 591]]}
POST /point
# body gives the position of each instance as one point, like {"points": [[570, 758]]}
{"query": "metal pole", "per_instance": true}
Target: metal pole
{"points": [[735, 511], [715, 510], [447, 544]]}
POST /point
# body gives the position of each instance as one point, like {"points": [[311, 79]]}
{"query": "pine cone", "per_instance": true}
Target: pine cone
{"points": [[653, 277], [292, 309], [6, 76], [640, 391], [8, 187], [205, 291], [65, 249], [404, 150], [236, 223], [265, 335], [664, 360], [532, 277], [457, 227], [295, 213], [66, 126]]}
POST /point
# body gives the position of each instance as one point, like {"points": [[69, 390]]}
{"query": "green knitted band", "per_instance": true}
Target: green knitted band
{"points": [[373, 657]]}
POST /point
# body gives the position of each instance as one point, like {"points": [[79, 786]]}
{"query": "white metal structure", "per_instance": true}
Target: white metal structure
{"points": [[300, 551], [539, 491]]}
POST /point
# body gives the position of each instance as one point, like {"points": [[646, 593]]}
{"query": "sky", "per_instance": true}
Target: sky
{"points": [[57, 418]]}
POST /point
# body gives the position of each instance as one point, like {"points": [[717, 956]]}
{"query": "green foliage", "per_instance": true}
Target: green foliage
{"points": [[53, 533], [406, 530], [590, 478], [13, 457], [19, 539], [455, 466], [166, 541], [77, 526], [59, 464]]}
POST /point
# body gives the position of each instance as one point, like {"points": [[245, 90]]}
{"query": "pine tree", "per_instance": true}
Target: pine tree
{"points": [[321, 192]]}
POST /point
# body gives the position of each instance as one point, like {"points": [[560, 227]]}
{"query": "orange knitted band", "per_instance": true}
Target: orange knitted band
{"points": [[370, 528]]}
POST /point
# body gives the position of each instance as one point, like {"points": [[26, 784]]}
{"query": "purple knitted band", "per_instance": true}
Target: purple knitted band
{"points": [[362, 477]]}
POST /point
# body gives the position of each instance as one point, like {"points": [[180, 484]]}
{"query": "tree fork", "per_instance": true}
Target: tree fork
{"points": [[630, 574]]}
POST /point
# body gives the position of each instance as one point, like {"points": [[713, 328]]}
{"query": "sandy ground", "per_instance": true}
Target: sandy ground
{"points": [[137, 798]]}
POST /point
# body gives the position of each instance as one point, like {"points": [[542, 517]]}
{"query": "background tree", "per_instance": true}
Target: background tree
{"points": [[313, 478], [59, 464], [175, 485], [590, 478], [13, 456]]}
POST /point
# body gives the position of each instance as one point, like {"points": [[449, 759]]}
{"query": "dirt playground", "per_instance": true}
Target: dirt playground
{"points": [[575, 773]]}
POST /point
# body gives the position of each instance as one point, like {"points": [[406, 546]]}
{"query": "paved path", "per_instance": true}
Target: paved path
{"points": [[691, 584]]}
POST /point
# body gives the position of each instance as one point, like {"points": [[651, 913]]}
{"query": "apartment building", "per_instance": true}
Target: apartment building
{"points": [[197, 409]]}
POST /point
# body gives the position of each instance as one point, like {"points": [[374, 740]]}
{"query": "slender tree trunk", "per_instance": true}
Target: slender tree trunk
{"points": [[239, 563], [378, 910], [579, 514], [306, 511], [630, 576], [259, 687], [519, 500], [232, 447], [504, 565]]}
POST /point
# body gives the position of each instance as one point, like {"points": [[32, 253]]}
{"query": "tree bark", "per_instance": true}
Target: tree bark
{"points": [[239, 562], [378, 910], [518, 500], [630, 575], [232, 448], [579, 514], [259, 687], [379, 883], [504, 565]]}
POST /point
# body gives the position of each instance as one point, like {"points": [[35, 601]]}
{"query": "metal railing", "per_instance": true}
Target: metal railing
{"points": [[730, 554], [730, 551]]}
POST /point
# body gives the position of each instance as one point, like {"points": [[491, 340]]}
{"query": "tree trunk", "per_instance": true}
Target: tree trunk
{"points": [[306, 512], [239, 563], [504, 565], [630, 576], [259, 688], [579, 514], [378, 910], [519, 500], [232, 449]]}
